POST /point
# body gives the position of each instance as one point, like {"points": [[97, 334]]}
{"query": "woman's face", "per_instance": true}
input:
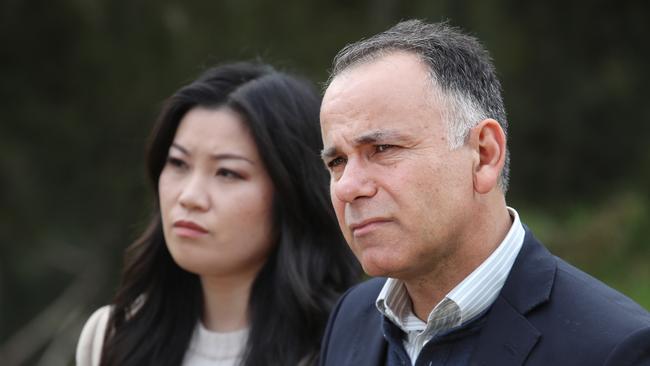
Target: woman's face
{"points": [[215, 196]]}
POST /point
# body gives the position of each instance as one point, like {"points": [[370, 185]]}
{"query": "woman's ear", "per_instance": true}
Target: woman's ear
{"points": [[489, 142]]}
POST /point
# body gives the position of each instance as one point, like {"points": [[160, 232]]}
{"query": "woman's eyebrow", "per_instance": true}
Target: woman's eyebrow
{"points": [[220, 156], [229, 156], [181, 148]]}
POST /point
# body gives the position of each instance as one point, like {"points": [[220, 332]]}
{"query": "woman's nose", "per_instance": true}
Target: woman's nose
{"points": [[194, 194]]}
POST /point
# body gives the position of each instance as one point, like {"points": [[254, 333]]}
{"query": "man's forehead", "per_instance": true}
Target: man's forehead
{"points": [[386, 98], [351, 82], [388, 60], [398, 76]]}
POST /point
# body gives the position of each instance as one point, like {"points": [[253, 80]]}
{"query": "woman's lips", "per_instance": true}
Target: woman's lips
{"points": [[189, 229]]}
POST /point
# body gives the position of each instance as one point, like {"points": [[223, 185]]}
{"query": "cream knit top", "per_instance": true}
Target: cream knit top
{"points": [[206, 348]]}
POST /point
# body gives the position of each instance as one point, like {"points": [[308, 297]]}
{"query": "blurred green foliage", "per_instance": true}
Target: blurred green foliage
{"points": [[82, 82], [607, 239]]}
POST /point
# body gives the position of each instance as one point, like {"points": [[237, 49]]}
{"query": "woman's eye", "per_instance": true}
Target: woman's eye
{"points": [[227, 173], [176, 162]]}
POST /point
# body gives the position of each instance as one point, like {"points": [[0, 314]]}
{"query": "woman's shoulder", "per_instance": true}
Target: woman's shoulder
{"points": [[91, 340]]}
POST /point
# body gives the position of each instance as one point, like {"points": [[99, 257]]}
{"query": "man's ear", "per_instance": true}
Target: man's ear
{"points": [[488, 141]]}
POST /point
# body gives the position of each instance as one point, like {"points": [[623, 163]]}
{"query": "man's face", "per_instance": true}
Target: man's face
{"points": [[403, 198]]}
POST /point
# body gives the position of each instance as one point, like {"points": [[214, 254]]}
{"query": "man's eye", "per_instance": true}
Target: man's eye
{"points": [[335, 162], [383, 147]]}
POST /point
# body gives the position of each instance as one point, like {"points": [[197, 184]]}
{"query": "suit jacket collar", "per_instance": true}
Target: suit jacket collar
{"points": [[531, 278], [508, 337]]}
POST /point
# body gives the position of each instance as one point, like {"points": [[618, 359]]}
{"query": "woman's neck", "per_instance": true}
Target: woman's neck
{"points": [[225, 302]]}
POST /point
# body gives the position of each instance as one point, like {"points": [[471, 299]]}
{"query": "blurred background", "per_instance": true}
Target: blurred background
{"points": [[82, 82]]}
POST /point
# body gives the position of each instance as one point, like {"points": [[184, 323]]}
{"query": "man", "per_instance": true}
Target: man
{"points": [[414, 134]]}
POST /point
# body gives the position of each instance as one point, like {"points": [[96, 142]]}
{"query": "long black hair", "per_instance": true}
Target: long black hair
{"points": [[158, 304]]}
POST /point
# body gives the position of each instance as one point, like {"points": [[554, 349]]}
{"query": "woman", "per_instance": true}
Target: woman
{"points": [[243, 258]]}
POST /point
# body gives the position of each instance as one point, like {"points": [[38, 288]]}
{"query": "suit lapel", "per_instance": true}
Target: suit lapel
{"points": [[508, 337], [369, 343]]}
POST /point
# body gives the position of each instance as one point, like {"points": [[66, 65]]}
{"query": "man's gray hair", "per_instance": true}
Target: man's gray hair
{"points": [[461, 71]]}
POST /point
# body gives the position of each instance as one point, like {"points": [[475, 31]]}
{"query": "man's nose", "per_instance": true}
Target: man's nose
{"points": [[194, 194], [355, 182]]}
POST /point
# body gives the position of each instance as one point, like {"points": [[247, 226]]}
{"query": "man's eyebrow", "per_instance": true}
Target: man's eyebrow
{"points": [[223, 156], [368, 138], [378, 136], [328, 152]]}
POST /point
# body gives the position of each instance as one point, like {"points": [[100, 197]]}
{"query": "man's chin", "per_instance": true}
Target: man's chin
{"points": [[378, 269]]}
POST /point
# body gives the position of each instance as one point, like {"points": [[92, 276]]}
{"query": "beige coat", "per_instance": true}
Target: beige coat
{"points": [[90, 344]]}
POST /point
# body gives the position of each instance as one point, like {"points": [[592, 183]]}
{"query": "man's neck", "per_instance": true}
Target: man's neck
{"points": [[428, 289]]}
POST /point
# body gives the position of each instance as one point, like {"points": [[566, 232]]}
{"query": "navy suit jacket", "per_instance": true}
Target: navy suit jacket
{"points": [[548, 313]]}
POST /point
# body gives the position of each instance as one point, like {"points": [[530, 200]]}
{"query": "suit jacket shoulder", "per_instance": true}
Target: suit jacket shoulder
{"points": [[551, 313], [91, 340]]}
